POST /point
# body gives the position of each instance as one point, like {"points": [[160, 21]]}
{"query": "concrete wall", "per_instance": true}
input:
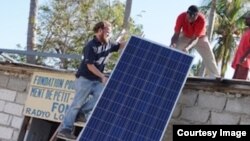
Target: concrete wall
{"points": [[13, 93], [211, 102], [201, 102]]}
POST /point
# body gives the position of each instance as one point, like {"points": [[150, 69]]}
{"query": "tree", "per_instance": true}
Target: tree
{"points": [[66, 25], [228, 25], [31, 30]]}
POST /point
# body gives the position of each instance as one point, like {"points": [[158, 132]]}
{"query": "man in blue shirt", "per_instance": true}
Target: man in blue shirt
{"points": [[89, 77]]}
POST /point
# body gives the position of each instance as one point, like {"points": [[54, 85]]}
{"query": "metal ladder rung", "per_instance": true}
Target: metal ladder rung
{"points": [[55, 135]]}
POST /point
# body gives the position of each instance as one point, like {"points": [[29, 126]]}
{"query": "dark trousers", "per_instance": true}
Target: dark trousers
{"points": [[241, 72]]}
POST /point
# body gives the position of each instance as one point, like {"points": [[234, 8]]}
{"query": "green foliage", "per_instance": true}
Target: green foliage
{"points": [[228, 26], [64, 26]]}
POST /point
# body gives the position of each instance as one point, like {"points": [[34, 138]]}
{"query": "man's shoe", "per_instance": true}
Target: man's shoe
{"points": [[81, 118], [219, 78], [66, 134]]}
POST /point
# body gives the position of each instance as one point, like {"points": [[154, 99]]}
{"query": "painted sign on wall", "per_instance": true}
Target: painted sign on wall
{"points": [[50, 95]]}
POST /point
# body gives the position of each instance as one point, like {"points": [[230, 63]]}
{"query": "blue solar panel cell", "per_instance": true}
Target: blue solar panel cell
{"points": [[141, 93]]}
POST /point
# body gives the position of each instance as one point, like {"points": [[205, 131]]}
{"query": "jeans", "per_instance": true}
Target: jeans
{"points": [[82, 102]]}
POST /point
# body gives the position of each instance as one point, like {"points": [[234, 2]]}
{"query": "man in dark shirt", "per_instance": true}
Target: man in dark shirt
{"points": [[89, 77]]}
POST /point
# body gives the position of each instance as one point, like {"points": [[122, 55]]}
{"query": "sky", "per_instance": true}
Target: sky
{"points": [[14, 21], [157, 17]]}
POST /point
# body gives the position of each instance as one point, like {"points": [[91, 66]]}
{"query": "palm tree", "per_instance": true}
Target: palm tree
{"points": [[228, 23], [31, 30]]}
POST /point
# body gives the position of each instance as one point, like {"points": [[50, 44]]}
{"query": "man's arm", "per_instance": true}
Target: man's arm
{"points": [[122, 44], [177, 29], [95, 71], [191, 43], [174, 39]]}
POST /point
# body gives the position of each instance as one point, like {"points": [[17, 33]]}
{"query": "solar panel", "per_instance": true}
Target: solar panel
{"points": [[141, 93]]}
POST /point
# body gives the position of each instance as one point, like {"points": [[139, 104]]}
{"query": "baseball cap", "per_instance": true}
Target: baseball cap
{"points": [[192, 10]]}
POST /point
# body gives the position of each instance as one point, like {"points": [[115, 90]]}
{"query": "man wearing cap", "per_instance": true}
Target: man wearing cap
{"points": [[241, 61], [190, 31]]}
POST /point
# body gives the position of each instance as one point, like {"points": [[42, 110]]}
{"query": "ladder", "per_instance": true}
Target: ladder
{"points": [[55, 136]]}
